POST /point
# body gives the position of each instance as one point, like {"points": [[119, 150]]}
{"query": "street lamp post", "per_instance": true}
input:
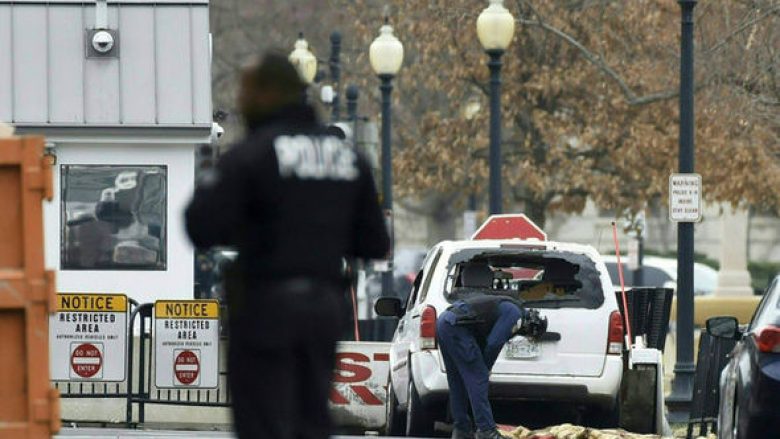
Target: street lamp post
{"points": [[682, 385], [495, 28], [335, 74], [352, 103], [386, 55], [303, 60]]}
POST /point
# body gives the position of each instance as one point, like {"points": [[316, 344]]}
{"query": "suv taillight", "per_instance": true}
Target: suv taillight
{"points": [[768, 339], [428, 328], [615, 336]]}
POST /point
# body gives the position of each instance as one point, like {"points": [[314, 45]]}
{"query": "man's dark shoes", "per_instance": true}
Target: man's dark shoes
{"points": [[461, 434], [488, 434]]}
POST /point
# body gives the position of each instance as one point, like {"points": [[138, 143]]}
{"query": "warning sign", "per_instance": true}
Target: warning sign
{"points": [[685, 198], [186, 343], [88, 337]]}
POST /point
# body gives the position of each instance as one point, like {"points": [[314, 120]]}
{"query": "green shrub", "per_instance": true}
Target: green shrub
{"points": [[762, 273]]}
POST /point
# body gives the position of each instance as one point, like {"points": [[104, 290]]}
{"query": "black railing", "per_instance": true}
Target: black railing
{"points": [[138, 389], [144, 392], [712, 359], [85, 389]]}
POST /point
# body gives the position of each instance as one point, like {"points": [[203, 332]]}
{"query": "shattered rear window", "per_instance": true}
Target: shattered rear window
{"points": [[539, 278]]}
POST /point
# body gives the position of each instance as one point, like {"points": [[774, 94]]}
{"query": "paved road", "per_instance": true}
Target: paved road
{"points": [[109, 433]]}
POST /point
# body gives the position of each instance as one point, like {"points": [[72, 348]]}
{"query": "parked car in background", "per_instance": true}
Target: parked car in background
{"points": [[750, 382], [662, 272], [576, 365]]}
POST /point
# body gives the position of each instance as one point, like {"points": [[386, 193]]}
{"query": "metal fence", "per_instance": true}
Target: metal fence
{"points": [[712, 359], [86, 389], [143, 390], [138, 389]]}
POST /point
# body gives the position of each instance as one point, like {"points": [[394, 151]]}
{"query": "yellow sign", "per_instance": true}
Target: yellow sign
{"points": [[186, 309], [68, 302]]}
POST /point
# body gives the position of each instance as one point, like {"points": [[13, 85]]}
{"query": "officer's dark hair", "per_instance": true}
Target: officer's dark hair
{"points": [[275, 71]]}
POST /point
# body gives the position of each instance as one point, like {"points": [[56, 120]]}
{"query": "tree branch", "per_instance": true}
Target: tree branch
{"points": [[742, 28], [630, 95]]}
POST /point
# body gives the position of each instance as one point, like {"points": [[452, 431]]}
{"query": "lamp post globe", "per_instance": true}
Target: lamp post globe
{"points": [[386, 54], [495, 28], [303, 60]]}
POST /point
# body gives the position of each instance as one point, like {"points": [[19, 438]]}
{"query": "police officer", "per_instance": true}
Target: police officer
{"points": [[471, 334], [296, 202]]}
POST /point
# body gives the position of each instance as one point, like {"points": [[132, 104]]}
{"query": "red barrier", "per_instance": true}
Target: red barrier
{"points": [[29, 407]]}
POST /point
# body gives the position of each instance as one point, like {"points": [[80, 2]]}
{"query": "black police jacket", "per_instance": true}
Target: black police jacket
{"points": [[292, 199]]}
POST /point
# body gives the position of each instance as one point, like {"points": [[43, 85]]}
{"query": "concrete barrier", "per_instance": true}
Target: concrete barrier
{"points": [[28, 406], [741, 307]]}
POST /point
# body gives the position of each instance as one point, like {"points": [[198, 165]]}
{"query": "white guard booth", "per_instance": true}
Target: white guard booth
{"points": [[122, 91]]}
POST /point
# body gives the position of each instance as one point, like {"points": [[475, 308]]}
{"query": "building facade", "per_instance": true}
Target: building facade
{"points": [[122, 91]]}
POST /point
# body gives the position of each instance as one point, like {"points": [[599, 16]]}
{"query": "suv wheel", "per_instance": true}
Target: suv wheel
{"points": [[418, 420], [394, 419]]}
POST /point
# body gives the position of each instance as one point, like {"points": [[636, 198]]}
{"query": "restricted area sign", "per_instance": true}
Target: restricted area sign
{"points": [[510, 226], [186, 344], [88, 337], [685, 198]]}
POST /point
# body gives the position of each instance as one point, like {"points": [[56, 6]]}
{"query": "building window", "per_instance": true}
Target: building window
{"points": [[113, 217]]}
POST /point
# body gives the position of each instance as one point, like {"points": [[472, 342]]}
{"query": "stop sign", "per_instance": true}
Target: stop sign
{"points": [[511, 226]]}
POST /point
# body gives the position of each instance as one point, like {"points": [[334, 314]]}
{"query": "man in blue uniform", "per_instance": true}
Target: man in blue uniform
{"points": [[471, 334]]}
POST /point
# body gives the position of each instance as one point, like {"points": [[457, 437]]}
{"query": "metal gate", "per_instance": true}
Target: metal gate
{"points": [[138, 389]]}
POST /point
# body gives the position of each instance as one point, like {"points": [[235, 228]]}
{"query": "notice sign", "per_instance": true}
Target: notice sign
{"points": [[88, 337], [685, 198], [186, 344]]}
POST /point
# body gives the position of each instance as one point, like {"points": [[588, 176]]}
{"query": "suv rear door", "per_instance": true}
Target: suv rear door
{"points": [[576, 342], [580, 350]]}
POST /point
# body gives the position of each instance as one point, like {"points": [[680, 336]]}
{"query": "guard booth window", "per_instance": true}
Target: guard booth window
{"points": [[113, 217]]}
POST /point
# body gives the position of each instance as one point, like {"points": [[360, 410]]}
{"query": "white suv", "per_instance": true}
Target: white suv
{"points": [[578, 362]]}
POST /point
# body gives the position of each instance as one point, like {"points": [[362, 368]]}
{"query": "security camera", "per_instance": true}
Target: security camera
{"points": [[102, 41]]}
